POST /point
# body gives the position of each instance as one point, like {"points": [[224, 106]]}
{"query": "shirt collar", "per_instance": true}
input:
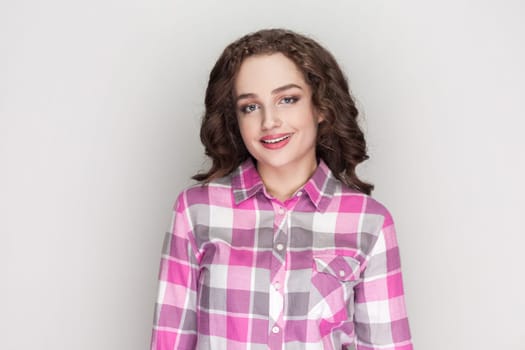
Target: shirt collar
{"points": [[246, 181], [320, 188]]}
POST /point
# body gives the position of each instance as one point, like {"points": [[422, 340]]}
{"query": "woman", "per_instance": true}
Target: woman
{"points": [[281, 245]]}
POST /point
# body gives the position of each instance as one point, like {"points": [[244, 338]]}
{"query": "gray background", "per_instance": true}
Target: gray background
{"points": [[100, 103]]}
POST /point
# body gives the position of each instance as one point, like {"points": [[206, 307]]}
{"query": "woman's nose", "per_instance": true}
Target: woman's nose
{"points": [[270, 119]]}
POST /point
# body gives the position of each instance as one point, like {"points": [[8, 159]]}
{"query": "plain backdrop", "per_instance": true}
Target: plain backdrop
{"points": [[100, 105]]}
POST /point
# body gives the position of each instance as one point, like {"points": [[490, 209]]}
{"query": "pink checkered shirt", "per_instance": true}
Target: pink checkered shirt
{"points": [[242, 270]]}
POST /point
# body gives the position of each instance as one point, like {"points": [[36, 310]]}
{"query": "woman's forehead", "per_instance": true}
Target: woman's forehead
{"points": [[264, 73]]}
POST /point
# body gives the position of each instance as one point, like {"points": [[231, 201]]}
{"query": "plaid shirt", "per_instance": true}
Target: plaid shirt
{"points": [[242, 270]]}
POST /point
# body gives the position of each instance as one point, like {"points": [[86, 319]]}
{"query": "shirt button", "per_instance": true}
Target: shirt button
{"points": [[281, 211], [299, 194], [277, 285], [275, 329], [280, 246], [342, 273]]}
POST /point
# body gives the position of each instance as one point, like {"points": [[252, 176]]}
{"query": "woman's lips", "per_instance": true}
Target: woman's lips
{"points": [[275, 141]]}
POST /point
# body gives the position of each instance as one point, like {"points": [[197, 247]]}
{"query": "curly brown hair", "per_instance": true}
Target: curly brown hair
{"points": [[340, 140]]}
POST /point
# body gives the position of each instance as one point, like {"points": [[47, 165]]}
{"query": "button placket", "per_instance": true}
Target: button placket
{"points": [[277, 287], [279, 248]]}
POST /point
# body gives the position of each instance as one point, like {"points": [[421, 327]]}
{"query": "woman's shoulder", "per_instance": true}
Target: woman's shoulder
{"points": [[209, 193], [363, 203]]}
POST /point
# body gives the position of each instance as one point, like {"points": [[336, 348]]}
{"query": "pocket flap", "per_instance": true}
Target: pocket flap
{"points": [[344, 268]]}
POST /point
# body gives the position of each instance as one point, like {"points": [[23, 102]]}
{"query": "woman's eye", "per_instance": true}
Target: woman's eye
{"points": [[289, 100], [249, 108]]}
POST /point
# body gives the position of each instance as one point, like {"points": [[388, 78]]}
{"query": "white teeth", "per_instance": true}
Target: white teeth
{"points": [[276, 140]]}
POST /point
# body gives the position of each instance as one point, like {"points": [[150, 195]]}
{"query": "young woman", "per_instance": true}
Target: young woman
{"points": [[281, 245]]}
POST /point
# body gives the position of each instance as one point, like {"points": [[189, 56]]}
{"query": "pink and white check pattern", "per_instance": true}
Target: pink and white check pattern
{"points": [[241, 270]]}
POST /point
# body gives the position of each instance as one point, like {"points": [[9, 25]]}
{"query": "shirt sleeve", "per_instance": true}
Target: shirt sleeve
{"points": [[175, 320], [380, 316]]}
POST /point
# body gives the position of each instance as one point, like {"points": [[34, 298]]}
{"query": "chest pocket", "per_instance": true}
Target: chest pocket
{"points": [[332, 291], [343, 268]]}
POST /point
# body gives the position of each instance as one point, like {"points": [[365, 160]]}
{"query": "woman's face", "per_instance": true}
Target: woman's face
{"points": [[277, 120]]}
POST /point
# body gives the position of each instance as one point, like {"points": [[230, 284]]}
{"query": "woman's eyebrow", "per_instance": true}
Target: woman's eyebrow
{"points": [[242, 96], [285, 87], [274, 91]]}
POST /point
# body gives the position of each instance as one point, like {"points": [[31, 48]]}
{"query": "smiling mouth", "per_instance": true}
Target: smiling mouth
{"points": [[279, 139]]}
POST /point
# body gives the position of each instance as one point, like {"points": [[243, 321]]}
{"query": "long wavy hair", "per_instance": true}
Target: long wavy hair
{"points": [[340, 140]]}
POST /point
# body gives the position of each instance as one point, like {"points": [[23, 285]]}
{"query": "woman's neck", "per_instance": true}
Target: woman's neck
{"points": [[283, 182]]}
